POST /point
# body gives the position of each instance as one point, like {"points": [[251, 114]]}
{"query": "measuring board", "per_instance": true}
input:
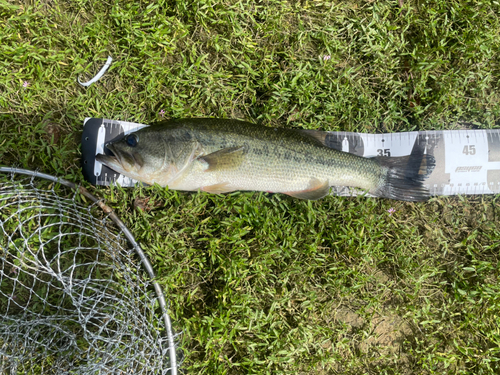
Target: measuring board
{"points": [[467, 161]]}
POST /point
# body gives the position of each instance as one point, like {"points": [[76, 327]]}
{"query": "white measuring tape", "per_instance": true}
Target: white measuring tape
{"points": [[467, 161]]}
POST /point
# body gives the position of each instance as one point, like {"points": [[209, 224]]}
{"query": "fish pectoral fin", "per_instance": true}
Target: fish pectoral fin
{"points": [[317, 189], [225, 159], [220, 188]]}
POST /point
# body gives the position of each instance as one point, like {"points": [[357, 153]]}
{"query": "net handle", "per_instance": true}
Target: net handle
{"points": [[137, 248]]}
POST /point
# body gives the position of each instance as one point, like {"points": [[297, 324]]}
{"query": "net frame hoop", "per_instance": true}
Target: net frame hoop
{"points": [[137, 248]]}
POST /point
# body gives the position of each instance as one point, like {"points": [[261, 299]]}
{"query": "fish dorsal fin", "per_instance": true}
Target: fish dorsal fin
{"points": [[317, 135], [225, 159], [317, 189]]}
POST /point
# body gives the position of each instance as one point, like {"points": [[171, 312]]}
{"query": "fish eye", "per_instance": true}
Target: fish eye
{"points": [[132, 140]]}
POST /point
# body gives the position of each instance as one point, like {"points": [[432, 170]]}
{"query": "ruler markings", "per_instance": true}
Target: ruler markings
{"points": [[459, 170]]}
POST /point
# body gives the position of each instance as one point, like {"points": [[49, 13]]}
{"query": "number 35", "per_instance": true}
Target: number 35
{"points": [[384, 152]]}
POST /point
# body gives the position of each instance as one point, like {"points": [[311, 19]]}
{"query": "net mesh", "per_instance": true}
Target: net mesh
{"points": [[73, 297]]}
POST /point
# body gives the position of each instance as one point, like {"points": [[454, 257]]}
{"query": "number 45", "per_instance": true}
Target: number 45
{"points": [[469, 150]]}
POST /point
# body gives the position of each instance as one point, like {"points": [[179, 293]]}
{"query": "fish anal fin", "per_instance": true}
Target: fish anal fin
{"points": [[219, 188], [225, 159], [317, 189]]}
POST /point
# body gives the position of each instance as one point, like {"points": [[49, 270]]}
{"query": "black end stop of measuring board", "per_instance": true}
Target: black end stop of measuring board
{"points": [[89, 137], [98, 132]]}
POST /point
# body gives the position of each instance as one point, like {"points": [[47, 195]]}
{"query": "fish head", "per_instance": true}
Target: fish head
{"points": [[148, 156]]}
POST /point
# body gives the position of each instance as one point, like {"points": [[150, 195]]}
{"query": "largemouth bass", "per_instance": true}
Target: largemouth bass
{"points": [[220, 156]]}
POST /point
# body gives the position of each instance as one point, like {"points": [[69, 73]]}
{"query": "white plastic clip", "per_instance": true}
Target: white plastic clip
{"points": [[98, 75]]}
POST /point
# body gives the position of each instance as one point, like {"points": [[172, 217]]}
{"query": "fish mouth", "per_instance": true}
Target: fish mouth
{"points": [[121, 161], [110, 161]]}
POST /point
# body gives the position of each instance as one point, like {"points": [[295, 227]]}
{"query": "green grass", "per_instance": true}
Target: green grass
{"points": [[270, 284]]}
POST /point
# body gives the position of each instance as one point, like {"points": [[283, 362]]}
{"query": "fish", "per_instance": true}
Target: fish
{"points": [[224, 155]]}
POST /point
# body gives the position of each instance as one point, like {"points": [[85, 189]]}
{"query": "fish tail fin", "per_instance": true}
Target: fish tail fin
{"points": [[404, 177]]}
